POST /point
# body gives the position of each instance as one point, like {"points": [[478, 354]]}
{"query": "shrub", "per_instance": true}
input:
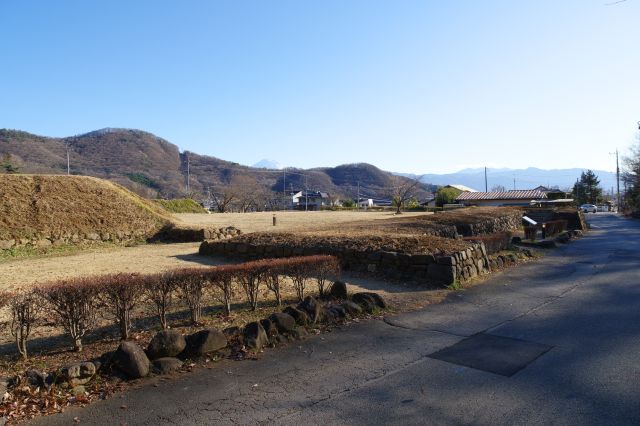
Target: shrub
{"points": [[182, 205], [25, 308], [192, 285], [74, 305], [120, 294], [326, 268], [251, 275], [159, 289], [272, 280], [494, 243], [222, 279]]}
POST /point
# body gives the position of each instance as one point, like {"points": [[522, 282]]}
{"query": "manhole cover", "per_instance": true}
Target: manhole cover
{"points": [[494, 354]]}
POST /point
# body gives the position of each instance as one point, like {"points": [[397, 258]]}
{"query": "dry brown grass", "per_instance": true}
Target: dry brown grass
{"points": [[286, 221], [373, 240], [50, 205]]}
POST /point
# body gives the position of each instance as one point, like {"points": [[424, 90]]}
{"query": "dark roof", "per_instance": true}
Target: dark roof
{"points": [[527, 194], [312, 194]]}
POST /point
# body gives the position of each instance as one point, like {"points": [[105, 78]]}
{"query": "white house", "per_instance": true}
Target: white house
{"points": [[310, 200], [364, 203]]}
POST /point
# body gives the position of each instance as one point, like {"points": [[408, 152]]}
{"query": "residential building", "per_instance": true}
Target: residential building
{"points": [[310, 200], [364, 203], [501, 198]]}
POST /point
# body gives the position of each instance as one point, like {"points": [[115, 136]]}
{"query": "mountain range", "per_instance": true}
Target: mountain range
{"points": [[155, 168], [506, 178]]}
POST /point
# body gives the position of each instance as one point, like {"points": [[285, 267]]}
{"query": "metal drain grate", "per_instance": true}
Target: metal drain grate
{"points": [[494, 354]]}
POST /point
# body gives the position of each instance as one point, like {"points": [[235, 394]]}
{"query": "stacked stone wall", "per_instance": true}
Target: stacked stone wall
{"points": [[44, 240], [508, 222], [184, 235], [422, 268]]}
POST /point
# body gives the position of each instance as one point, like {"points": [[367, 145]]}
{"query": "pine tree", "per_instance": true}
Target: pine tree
{"points": [[587, 189]]}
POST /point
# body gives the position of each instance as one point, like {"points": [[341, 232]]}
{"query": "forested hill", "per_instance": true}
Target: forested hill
{"points": [[155, 168]]}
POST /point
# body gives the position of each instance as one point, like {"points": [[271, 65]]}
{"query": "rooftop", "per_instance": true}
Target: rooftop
{"points": [[526, 194]]}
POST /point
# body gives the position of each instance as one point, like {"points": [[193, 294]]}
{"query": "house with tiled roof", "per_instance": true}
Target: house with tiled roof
{"points": [[501, 198]]}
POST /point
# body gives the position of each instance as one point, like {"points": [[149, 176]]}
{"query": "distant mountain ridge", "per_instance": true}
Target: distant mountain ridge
{"points": [[265, 163], [528, 178], [153, 167]]}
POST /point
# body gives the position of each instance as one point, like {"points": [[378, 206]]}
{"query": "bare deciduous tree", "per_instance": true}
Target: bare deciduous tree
{"points": [[402, 190], [159, 290], [192, 285], [120, 295], [223, 285], [25, 308], [74, 304]]}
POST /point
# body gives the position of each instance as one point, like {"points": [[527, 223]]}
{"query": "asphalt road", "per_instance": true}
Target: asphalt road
{"points": [[552, 342]]}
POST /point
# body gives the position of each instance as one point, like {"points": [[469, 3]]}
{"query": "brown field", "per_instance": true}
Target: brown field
{"points": [[286, 221]]}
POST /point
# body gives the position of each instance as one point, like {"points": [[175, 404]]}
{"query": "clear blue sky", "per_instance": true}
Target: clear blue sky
{"points": [[423, 87]]}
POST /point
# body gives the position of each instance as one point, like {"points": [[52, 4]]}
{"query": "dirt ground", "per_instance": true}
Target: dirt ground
{"points": [[285, 221], [146, 258]]}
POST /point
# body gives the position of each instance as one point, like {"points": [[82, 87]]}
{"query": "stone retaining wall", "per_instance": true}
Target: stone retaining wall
{"points": [[185, 235], [43, 240], [575, 219], [422, 268], [490, 226]]}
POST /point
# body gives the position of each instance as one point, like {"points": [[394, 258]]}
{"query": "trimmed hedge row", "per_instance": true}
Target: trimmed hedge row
{"points": [[75, 303]]}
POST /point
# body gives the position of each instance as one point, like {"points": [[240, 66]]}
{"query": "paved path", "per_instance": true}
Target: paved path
{"points": [[581, 305]]}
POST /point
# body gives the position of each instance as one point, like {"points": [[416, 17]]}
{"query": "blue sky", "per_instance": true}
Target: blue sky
{"points": [[411, 86]]}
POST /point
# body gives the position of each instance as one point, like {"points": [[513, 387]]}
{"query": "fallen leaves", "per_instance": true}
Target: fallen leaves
{"points": [[25, 403]]}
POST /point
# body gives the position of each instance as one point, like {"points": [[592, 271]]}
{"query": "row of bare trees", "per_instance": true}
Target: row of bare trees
{"points": [[76, 303]]}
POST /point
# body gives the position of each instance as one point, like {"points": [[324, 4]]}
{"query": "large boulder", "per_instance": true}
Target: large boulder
{"points": [[166, 365], [131, 359], [234, 334], [166, 343], [254, 335], [367, 302], [299, 333], [205, 341], [352, 308], [79, 373], [269, 327], [333, 314], [338, 290], [284, 322], [312, 308], [298, 315], [374, 297], [39, 379]]}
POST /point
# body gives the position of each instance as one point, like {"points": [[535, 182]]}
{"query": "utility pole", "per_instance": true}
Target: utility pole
{"points": [[188, 174], [68, 163], [618, 177], [485, 180], [358, 202]]}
